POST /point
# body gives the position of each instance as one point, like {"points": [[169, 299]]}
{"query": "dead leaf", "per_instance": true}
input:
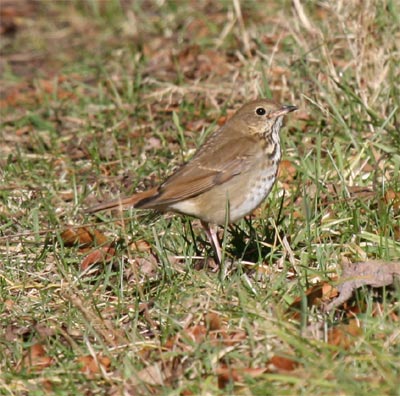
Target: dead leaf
{"points": [[140, 246], [14, 13], [8, 305], [13, 333], [228, 375], [82, 236], [360, 193], [147, 266], [152, 143], [379, 311], [213, 321], [344, 335], [281, 363], [287, 171], [396, 232], [233, 337], [197, 333], [197, 63], [315, 295], [35, 359], [393, 198], [223, 119], [90, 365], [103, 254], [372, 273], [187, 392], [156, 374]]}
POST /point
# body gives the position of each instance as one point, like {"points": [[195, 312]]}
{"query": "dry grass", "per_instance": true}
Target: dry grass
{"points": [[99, 98]]}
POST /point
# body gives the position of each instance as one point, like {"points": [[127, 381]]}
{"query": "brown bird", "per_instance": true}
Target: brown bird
{"points": [[228, 177]]}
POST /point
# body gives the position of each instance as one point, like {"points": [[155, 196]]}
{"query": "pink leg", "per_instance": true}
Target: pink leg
{"points": [[212, 237]]}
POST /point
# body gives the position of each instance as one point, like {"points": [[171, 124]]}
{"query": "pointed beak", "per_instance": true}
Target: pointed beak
{"points": [[284, 110]]}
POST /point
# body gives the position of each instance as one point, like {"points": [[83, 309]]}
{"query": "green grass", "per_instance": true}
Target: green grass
{"points": [[103, 98]]}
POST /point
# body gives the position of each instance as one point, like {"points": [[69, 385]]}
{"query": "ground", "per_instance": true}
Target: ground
{"points": [[101, 98]]}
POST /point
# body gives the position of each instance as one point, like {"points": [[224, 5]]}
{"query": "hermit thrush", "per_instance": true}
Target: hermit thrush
{"points": [[228, 177]]}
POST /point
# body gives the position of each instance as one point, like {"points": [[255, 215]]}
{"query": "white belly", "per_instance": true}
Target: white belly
{"points": [[254, 196]]}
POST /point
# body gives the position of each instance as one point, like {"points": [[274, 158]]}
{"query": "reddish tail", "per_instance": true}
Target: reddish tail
{"points": [[122, 203]]}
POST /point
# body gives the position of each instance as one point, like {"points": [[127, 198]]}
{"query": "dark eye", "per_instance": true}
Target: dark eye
{"points": [[260, 111]]}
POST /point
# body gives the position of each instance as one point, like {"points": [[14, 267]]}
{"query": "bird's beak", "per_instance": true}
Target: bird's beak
{"points": [[283, 110]]}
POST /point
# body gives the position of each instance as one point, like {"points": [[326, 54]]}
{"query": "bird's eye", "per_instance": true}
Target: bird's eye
{"points": [[260, 111]]}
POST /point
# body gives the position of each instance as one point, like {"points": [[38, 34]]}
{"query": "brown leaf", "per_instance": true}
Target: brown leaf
{"points": [[287, 167], [234, 337], [195, 125], [198, 63], [373, 273], [91, 366], [140, 246], [183, 341], [228, 375], [360, 193], [198, 28], [393, 198], [13, 14], [53, 87], [344, 335], [396, 232], [186, 392], [281, 363], [286, 173], [156, 374], [103, 254], [315, 295], [196, 333], [8, 305], [223, 119], [213, 321], [9, 18], [35, 359], [152, 143], [82, 236]]}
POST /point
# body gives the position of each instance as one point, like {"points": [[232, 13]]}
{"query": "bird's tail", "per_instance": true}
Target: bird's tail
{"points": [[123, 203]]}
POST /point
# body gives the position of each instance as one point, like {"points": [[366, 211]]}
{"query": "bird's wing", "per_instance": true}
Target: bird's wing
{"points": [[218, 161]]}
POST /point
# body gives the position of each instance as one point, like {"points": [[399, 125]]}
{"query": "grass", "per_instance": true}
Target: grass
{"points": [[102, 98]]}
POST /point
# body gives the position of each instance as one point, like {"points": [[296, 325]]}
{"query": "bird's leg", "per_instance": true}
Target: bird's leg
{"points": [[213, 238]]}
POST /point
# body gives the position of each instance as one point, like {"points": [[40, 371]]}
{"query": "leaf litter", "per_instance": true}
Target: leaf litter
{"points": [[208, 77]]}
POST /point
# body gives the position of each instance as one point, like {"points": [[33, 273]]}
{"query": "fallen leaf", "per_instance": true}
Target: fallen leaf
{"points": [[152, 143], [227, 375], [82, 236], [91, 365], [233, 337], [315, 295], [156, 374], [372, 273], [186, 392], [197, 63], [281, 363], [344, 335], [286, 172], [229, 114], [103, 254], [8, 305], [213, 321], [35, 359], [140, 246], [393, 198], [396, 232], [360, 193], [197, 333], [147, 266]]}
